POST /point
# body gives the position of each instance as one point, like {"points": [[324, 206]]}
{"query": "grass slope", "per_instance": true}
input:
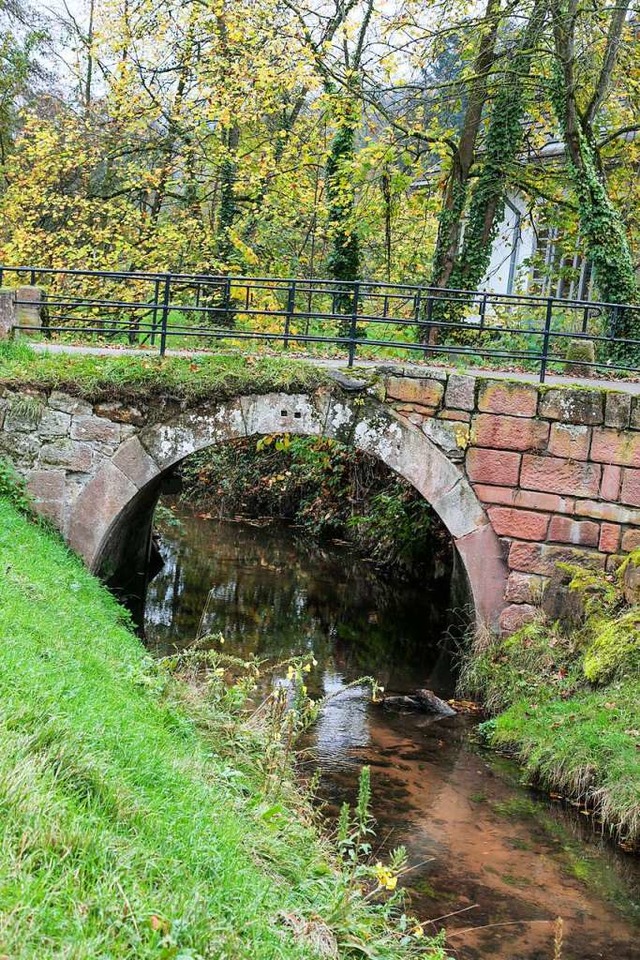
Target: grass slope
{"points": [[122, 376], [126, 832], [567, 703]]}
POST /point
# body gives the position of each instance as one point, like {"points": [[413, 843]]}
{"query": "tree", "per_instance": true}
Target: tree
{"points": [[576, 106]]}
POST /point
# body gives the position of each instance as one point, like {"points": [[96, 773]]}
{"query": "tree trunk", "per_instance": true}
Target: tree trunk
{"points": [[504, 139], [601, 226]]}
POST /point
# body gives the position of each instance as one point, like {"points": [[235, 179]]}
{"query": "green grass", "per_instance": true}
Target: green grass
{"points": [[122, 376], [575, 737], [127, 829]]}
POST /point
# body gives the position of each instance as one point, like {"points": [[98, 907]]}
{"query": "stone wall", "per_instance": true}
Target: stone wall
{"points": [[557, 468], [523, 476]]}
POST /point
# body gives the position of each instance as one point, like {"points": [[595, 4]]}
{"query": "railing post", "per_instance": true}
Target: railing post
{"points": [[483, 310], [353, 329], [154, 314], [585, 319], [291, 306], [166, 299], [545, 339]]}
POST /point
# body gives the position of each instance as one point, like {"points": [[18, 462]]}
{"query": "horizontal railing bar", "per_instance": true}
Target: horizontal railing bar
{"points": [[339, 286]]}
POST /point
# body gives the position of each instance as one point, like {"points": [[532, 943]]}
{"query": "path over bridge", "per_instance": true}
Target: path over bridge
{"points": [[522, 476]]}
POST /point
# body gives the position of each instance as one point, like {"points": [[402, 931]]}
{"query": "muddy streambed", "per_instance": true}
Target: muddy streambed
{"points": [[516, 859]]}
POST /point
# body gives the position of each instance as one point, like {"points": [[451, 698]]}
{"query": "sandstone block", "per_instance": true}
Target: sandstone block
{"points": [[96, 507], [521, 524], [630, 487], [95, 430], [427, 393], [77, 457], [508, 433], [610, 486], [452, 438], [536, 500], [630, 540], [54, 423], [631, 582], [493, 466], [557, 475], [21, 448], [541, 558], [461, 392], [68, 404], [525, 588], [47, 487], [611, 512], [136, 464], [569, 440], [19, 419], [617, 410], [610, 537], [483, 560], [513, 399], [584, 533], [614, 562], [573, 406], [635, 413], [491, 494], [517, 615], [613, 446], [459, 415]]}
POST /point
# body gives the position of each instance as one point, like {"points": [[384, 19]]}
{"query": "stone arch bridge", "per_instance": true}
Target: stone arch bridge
{"points": [[522, 476]]}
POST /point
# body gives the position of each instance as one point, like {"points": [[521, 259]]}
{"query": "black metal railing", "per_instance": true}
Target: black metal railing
{"points": [[363, 319]]}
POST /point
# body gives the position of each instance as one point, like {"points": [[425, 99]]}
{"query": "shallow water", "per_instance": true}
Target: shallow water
{"points": [[517, 860]]}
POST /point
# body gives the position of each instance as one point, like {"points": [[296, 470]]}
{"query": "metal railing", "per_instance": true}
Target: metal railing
{"points": [[360, 319]]}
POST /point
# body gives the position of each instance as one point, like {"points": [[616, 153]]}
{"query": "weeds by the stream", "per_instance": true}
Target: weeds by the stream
{"points": [[566, 702]]}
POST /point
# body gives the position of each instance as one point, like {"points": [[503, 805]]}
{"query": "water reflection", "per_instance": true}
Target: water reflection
{"points": [[517, 860]]}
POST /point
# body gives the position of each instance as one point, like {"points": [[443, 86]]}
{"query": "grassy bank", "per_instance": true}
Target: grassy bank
{"points": [[566, 702], [140, 820], [123, 376]]}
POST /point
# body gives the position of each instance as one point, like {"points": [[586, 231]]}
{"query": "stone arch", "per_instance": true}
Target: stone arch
{"points": [[139, 463]]}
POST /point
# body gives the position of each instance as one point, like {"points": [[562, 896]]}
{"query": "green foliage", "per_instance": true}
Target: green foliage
{"points": [[144, 378], [135, 821], [327, 487], [614, 652], [571, 737], [13, 488]]}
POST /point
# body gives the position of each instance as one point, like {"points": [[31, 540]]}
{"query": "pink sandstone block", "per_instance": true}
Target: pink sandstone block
{"points": [[536, 500], [514, 399], [630, 487], [630, 540], [493, 466], [522, 524], [583, 533], [613, 446], [557, 475], [569, 440], [515, 616], [509, 433], [489, 494], [610, 487], [541, 558], [524, 588], [610, 537]]}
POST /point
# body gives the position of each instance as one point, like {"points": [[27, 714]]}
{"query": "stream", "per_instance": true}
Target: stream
{"points": [[503, 860]]}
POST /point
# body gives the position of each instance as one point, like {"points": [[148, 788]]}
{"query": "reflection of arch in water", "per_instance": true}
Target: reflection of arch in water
{"points": [[115, 507]]}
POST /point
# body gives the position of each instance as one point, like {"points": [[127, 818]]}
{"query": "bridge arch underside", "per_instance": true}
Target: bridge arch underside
{"points": [[124, 490]]}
